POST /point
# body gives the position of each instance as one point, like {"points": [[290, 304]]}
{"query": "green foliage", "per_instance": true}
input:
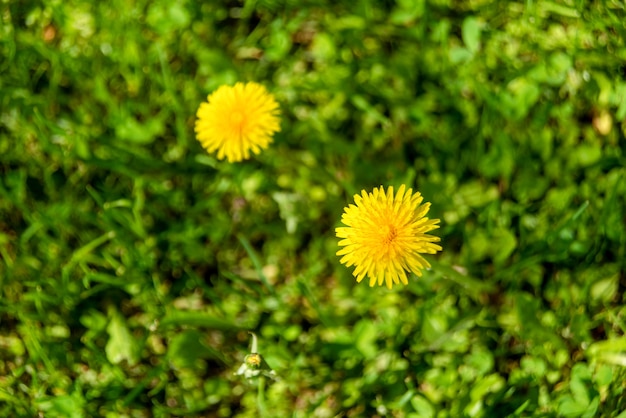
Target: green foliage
{"points": [[134, 264]]}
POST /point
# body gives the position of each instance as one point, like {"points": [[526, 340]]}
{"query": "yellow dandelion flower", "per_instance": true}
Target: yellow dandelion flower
{"points": [[386, 235], [236, 120]]}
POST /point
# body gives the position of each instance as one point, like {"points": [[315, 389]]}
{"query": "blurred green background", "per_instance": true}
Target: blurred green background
{"points": [[134, 264]]}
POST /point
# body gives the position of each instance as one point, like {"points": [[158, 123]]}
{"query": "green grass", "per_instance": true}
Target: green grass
{"points": [[134, 265]]}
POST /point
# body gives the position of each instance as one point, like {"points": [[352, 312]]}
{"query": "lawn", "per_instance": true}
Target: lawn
{"points": [[142, 275]]}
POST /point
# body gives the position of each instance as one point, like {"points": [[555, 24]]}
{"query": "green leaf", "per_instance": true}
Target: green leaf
{"points": [[166, 18], [489, 384], [605, 290], [587, 154], [69, 406], [422, 406], [121, 344], [552, 7], [460, 55], [535, 366], [323, 48], [471, 31], [568, 407], [503, 244], [579, 390], [365, 334]]}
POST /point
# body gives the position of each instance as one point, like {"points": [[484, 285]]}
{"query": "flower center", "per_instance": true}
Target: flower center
{"points": [[236, 118], [389, 234]]}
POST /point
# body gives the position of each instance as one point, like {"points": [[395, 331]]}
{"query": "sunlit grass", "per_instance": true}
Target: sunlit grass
{"points": [[134, 264]]}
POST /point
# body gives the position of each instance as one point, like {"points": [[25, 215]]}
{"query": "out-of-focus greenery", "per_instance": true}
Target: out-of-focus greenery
{"points": [[134, 264]]}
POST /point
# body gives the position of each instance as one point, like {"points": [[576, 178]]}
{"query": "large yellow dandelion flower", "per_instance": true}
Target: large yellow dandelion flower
{"points": [[386, 235], [236, 120]]}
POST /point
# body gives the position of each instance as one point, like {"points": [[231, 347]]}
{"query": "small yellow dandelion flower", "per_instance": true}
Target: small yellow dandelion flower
{"points": [[386, 235], [253, 360], [236, 120]]}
